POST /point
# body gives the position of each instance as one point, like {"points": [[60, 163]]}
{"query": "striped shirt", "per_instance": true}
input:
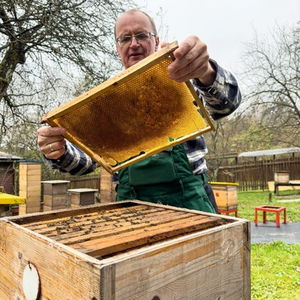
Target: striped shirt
{"points": [[220, 100]]}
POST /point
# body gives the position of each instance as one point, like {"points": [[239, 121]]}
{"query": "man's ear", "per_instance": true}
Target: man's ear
{"points": [[156, 42], [117, 51]]}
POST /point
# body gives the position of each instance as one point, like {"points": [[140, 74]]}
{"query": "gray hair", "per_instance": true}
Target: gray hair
{"points": [[135, 10]]}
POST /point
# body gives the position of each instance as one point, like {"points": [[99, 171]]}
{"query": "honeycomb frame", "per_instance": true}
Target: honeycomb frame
{"points": [[135, 114]]}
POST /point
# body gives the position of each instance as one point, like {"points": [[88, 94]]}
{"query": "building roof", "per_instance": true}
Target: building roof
{"points": [[8, 157], [269, 152]]}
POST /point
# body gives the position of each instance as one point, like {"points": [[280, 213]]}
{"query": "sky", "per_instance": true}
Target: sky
{"points": [[224, 25]]}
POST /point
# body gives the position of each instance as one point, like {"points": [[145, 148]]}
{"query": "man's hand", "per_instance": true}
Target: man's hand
{"points": [[192, 61], [51, 141]]}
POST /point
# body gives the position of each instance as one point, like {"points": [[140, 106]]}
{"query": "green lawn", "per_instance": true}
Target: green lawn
{"points": [[275, 271], [248, 200], [275, 267]]}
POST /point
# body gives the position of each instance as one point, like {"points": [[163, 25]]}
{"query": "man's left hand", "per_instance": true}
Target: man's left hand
{"points": [[192, 61]]}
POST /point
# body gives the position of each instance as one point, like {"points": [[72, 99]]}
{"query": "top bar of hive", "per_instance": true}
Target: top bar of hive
{"points": [[109, 229], [133, 115]]}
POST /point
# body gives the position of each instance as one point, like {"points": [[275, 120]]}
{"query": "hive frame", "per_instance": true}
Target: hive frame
{"points": [[119, 78]]}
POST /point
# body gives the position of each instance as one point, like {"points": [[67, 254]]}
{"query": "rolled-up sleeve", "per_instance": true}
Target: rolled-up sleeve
{"points": [[74, 161]]}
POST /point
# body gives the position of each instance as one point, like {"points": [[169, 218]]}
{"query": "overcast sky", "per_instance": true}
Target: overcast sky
{"points": [[224, 25]]}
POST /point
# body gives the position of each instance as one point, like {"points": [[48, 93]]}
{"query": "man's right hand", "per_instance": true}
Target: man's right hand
{"points": [[51, 141]]}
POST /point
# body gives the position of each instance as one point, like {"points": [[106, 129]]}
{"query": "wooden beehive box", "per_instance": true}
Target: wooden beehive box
{"points": [[82, 196], [55, 194], [30, 186], [126, 250], [225, 194], [282, 177]]}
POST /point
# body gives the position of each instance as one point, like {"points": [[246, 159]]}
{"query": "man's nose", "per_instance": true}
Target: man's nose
{"points": [[134, 42]]}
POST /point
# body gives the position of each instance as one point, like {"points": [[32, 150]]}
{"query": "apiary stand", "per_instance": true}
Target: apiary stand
{"points": [[134, 250]]}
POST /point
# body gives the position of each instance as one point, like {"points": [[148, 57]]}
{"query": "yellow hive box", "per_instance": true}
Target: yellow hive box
{"points": [[133, 115], [225, 194]]}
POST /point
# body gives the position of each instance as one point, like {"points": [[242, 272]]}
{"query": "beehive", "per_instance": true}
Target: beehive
{"points": [[133, 115], [126, 250], [30, 174], [82, 196], [282, 177], [225, 194], [55, 194]]}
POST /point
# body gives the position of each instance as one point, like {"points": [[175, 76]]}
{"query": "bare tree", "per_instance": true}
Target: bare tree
{"points": [[49, 41], [273, 77]]}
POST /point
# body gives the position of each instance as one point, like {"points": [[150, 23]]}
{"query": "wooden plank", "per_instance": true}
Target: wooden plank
{"points": [[212, 264], [63, 273], [47, 208], [94, 219], [25, 209], [86, 233], [56, 200], [32, 185], [125, 241], [55, 188], [107, 189], [74, 212], [84, 214]]}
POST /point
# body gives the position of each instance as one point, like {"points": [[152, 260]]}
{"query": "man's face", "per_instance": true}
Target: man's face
{"points": [[130, 49]]}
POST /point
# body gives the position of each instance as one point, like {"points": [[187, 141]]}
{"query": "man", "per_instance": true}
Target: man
{"points": [[175, 176]]}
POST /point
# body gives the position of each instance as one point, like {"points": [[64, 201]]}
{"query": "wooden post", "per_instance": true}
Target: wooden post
{"points": [[30, 174], [107, 188]]}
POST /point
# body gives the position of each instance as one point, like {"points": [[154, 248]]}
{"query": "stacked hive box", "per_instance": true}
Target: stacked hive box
{"points": [[30, 186], [82, 196], [128, 250], [55, 194], [225, 194]]}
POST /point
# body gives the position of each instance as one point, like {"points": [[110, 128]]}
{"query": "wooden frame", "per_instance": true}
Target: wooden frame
{"points": [[114, 159]]}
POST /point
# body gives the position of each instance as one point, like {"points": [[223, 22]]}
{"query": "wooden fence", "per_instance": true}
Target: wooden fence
{"points": [[255, 174]]}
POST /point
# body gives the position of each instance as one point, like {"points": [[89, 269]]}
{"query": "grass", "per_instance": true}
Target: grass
{"points": [[248, 200], [275, 271], [275, 267]]}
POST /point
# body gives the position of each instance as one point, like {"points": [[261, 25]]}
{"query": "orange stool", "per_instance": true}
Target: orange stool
{"points": [[267, 208], [227, 212]]}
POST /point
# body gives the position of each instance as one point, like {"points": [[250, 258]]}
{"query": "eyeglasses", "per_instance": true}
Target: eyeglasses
{"points": [[141, 36]]}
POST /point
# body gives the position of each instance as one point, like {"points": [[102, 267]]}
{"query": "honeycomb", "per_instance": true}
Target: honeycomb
{"points": [[143, 113]]}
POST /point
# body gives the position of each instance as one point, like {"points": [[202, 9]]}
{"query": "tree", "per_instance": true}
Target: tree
{"points": [[50, 41], [273, 79]]}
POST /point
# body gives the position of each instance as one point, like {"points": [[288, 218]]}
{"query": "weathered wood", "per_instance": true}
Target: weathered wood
{"points": [[30, 187], [147, 250], [64, 274], [107, 189], [82, 196], [55, 194]]}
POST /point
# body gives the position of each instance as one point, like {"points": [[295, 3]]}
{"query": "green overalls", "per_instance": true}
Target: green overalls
{"points": [[165, 178]]}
